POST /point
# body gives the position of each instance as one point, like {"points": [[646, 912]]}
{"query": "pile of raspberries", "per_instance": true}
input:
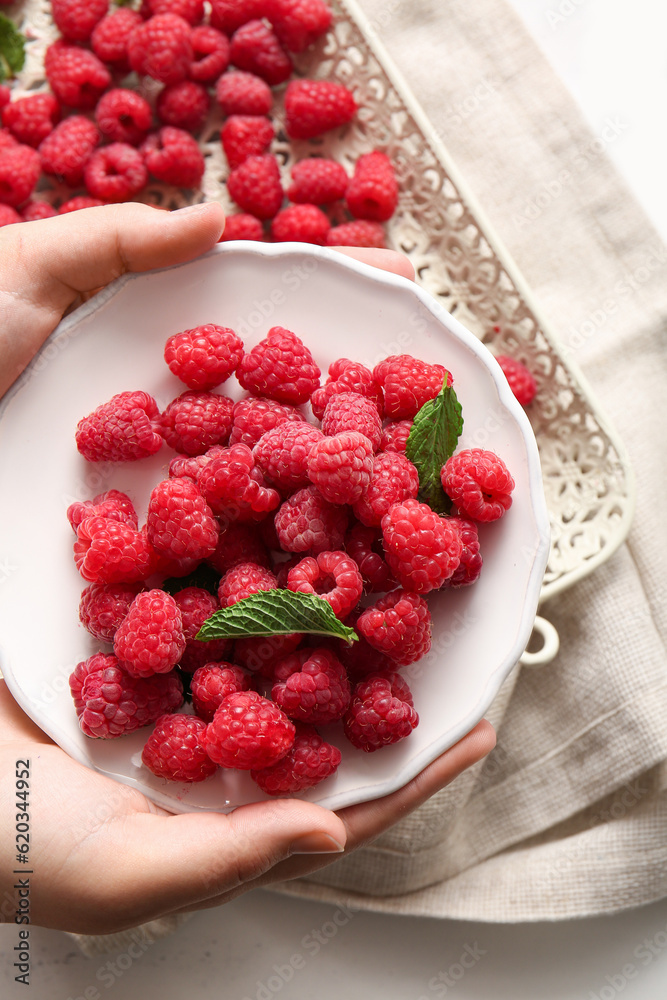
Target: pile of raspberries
{"points": [[94, 132], [261, 498]]}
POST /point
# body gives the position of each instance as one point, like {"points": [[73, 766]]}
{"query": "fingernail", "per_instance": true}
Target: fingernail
{"points": [[200, 207], [316, 843]]}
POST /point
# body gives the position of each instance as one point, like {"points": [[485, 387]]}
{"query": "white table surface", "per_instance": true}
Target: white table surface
{"points": [[613, 56]]}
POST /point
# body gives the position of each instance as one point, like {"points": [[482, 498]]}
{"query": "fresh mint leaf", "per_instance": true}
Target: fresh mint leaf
{"points": [[12, 49], [432, 440], [276, 612]]}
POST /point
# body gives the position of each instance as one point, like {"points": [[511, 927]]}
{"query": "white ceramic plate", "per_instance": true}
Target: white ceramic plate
{"points": [[340, 308]]}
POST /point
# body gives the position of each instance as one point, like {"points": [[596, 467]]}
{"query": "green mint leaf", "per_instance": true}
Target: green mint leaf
{"points": [[204, 576], [276, 612], [433, 438], [12, 49]]}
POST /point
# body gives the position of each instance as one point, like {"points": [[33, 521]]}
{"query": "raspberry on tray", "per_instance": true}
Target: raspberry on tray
{"points": [[120, 430], [150, 638], [280, 367], [248, 732], [311, 686], [175, 749], [334, 576], [381, 712], [423, 550], [479, 483], [204, 356], [309, 761]]}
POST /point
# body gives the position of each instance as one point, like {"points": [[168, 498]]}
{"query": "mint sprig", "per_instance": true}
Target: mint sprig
{"points": [[12, 49], [276, 612], [432, 440]]}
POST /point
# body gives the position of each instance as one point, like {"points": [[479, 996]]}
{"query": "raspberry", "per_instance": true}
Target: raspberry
{"points": [[6, 139], [398, 625], [109, 702], [245, 135], [210, 49], [196, 605], [240, 93], [315, 106], [113, 504], [347, 376], [242, 227], [282, 453], [311, 686], [31, 119], [76, 76], [521, 382], [479, 484], [408, 383], [248, 732], [191, 11], [75, 19], [298, 23], [395, 436], [68, 148], [280, 367], [36, 210], [235, 488], [5, 95], [309, 761], [8, 216], [120, 430], [103, 607], [228, 15], [255, 186], [394, 480], [173, 156], [334, 576], [350, 411], [175, 749], [317, 181], [111, 551], [360, 233], [183, 105], [195, 421], [212, 683], [381, 712], [204, 356], [364, 545], [179, 522], [341, 466], [189, 466], [239, 543], [253, 417], [20, 168], [76, 204], [470, 565], [243, 580], [150, 639], [110, 36], [423, 550], [261, 653], [373, 190], [308, 522], [123, 116], [161, 48], [115, 172], [256, 49], [301, 224]]}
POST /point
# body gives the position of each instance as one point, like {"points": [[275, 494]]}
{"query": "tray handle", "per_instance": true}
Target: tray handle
{"points": [[549, 648]]}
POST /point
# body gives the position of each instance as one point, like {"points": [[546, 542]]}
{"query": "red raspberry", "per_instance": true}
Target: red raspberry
{"points": [[183, 105], [240, 93], [253, 417], [20, 168], [76, 76], [174, 157], [76, 204], [191, 11], [347, 376], [212, 683], [204, 356], [394, 480], [280, 367], [195, 421], [311, 686], [239, 543], [255, 186], [248, 732], [298, 23], [150, 640], [189, 466], [175, 749], [317, 181], [235, 487], [395, 436], [398, 625], [115, 172], [122, 115], [350, 411], [245, 135], [521, 382], [261, 653], [161, 48], [68, 148], [30, 119], [360, 233], [179, 523], [373, 190], [256, 49], [408, 383], [196, 605], [334, 576], [120, 430], [242, 227], [111, 551], [112, 504], [110, 36], [423, 550], [103, 607], [341, 466], [243, 580], [308, 522], [309, 761], [8, 216], [315, 106], [210, 49], [282, 453], [36, 210], [6, 139], [364, 545], [109, 702], [381, 712], [479, 483], [5, 95], [228, 15], [301, 224], [470, 565], [75, 19]]}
